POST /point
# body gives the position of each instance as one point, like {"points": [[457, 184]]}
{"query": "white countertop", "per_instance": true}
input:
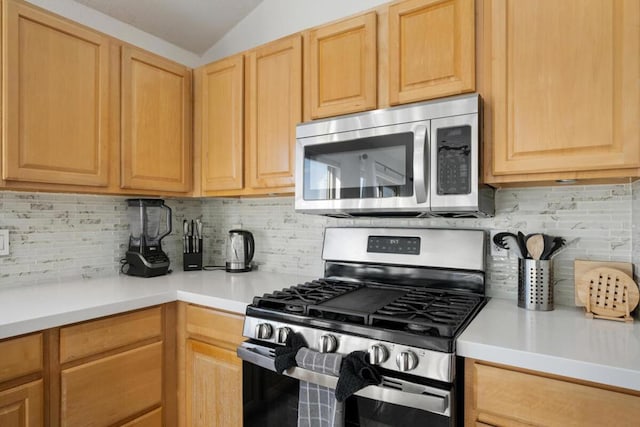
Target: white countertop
{"points": [[31, 308], [561, 342]]}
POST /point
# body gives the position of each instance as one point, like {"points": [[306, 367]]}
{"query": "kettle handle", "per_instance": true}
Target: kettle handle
{"points": [[251, 246]]}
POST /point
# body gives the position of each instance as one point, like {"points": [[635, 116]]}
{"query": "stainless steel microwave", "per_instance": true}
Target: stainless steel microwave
{"points": [[413, 160]]}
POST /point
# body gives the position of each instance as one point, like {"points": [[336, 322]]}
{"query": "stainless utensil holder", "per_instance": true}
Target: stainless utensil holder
{"points": [[535, 284]]}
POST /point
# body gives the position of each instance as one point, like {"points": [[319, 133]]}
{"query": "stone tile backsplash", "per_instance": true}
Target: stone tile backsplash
{"points": [[65, 236], [595, 221], [57, 237]]}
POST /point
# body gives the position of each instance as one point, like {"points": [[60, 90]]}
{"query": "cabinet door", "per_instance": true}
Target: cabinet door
{"points": [[342, 64], [156, 123], [213, 386], [498, 395], [431, 49], [56, 90], [110, 389], [274, 108], [22, 406], [219, 99], [564, 90]]}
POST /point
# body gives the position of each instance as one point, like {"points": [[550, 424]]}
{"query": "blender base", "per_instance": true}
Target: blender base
{"points": [[140, 266]]}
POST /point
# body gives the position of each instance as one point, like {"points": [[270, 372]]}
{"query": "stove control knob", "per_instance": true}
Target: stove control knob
{"points": [[378, 354], [406, 360], [264, 331], [282, 334], [328, 344]]}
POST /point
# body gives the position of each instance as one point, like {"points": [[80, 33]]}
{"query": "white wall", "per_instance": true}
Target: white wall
{"points": [[108, 25], [273, 19]]}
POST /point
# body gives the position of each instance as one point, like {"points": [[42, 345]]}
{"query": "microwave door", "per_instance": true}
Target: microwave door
{"points": [[364, 171]]}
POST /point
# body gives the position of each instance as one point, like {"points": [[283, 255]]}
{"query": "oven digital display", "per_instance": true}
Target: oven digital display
{"points": [[394, 245]]}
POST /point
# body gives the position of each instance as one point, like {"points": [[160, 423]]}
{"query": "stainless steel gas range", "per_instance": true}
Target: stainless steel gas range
{"points": [[401, 295]]}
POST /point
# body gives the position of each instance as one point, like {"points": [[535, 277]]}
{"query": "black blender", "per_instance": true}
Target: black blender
{"points": [[149, 223]]}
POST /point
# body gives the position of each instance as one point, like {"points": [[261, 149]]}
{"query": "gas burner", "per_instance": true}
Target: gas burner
{"points": [[415, 327], [294, 308]]}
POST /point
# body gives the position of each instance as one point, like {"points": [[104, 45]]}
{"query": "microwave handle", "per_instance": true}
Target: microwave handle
{"points": [[420, 163]]}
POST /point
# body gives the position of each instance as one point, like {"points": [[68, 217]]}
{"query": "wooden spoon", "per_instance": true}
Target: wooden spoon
{"points": [[535, 246]]}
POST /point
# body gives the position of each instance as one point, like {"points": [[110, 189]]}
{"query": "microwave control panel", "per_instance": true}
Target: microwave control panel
{"points": [[454, 160]]}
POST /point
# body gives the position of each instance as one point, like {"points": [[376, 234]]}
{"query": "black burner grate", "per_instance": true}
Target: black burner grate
{"points": [[419, 311], [426, 312], [297, 299]]}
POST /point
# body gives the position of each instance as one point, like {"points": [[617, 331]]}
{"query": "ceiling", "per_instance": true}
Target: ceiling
{"points": [[194, 25]]}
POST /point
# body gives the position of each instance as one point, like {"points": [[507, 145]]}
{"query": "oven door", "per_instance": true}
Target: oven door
{"points": [[380, 169], [271, 399]]}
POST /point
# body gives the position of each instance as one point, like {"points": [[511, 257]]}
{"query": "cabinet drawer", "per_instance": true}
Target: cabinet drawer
{"points": [[108, 390], [537, 400], [20, 356], [86, 339], [222, 327]]}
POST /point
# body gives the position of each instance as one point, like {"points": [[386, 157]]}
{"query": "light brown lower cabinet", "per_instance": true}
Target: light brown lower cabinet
{"points": [[110, 389], [22, 406], [116, 370], [210, 372], [214, 386], [21, 381], [168, 365], [497, 395]]}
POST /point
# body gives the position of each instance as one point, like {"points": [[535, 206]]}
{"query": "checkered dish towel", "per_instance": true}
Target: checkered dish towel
{"points": [[317, 405]]}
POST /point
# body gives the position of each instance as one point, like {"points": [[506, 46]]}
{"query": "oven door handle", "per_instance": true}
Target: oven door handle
{"points": [[420, 163], [391, 390]]}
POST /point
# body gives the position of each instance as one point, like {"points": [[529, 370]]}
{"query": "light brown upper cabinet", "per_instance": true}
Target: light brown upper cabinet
{"points": [[273, 108], [341, 67], [56, 99], [219, 124], [431, 49], [156, 123], [562, 98]]}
